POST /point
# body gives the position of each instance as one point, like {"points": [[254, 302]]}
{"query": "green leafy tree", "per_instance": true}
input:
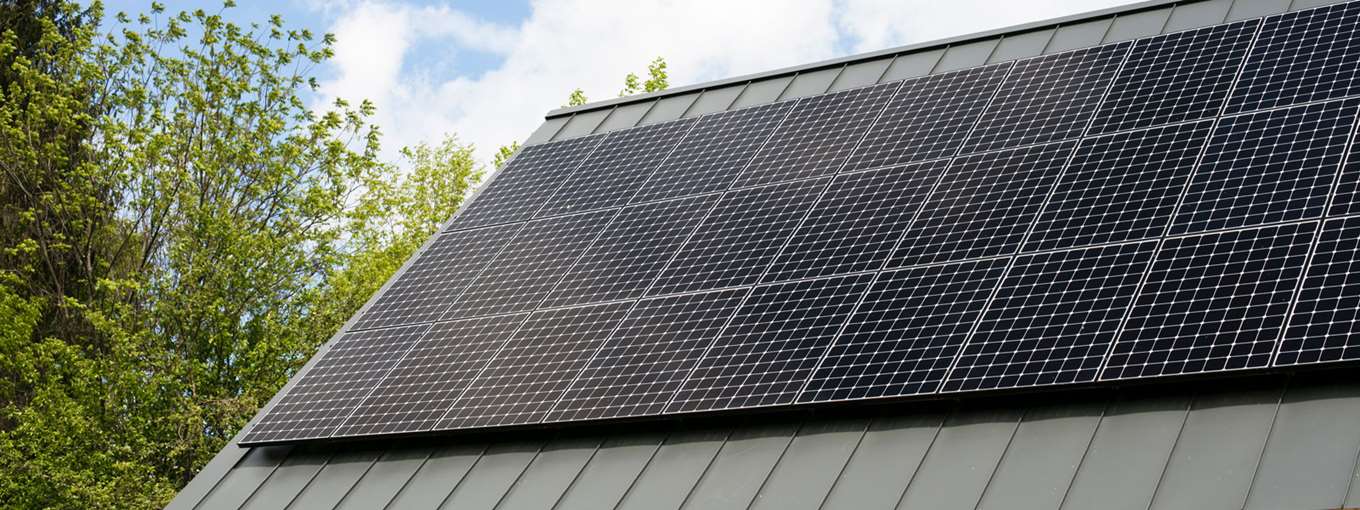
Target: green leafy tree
{"points": [[657, 79]]}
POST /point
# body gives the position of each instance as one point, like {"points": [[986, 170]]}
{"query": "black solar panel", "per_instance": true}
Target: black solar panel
{"points": [[534, 368], [817, 136], [740, 237], [1120, 187], [928, 118], [1325, 325], [904, 336], [1300, 57], [1053, 319], [631, 252], [1047, 98], [1268, 167], [530, 266], [856, 224], [1176, 77], [983, 205], [711, 155], [1346, 198], [773, 343], [525, 184], [644, 362], [1212, 302], [616, 169]]}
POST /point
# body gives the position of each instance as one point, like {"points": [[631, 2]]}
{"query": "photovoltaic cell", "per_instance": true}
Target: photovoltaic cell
{"points": [[1212, 302], [1325, 325], [422, 386], [530, 266], [1120, 187], [1053, 319], [1268, 167], [740, 238], [1346, 197], [817, 136], [709, 158], [617, 168], [857, 222], [644, 362], [772, 345], [1047, 98], [521, 384], [1176, 77], [903, 337], [1300, 57], [328, 392], [983, 205], [526, 183], [423, 292], [928, 118]]}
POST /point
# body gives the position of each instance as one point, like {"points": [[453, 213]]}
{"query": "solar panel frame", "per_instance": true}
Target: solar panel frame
{"points": [[617, 168], [1291, 63], [1324, 325]]}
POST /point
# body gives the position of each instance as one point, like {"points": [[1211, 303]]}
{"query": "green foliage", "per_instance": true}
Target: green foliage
{"points": [[656, 80], [576, 98]]}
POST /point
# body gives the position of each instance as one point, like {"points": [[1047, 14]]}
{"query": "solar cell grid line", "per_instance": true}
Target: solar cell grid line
{"points": [[739, 238], [1047, 98], [1267, 167], [528, 375], [530, 266], [1301, 57], [1345, 199], [906, 332], [856, 223], [984, 205], [643, 363], [436, 277], [1325, 323], [631, 252], [614, 172], [1212, 302], [1176, 77], [517, 191], [1120, 187], [766, 353], [1053, 318], [818, 135], [326, 393], [422, 386], [929, 117], [711, 155]]}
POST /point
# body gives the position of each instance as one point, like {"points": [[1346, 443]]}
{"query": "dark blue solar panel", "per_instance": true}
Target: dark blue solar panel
{"points": [[711, 155], [1300, 57], [1325, 325], [616, 169], [520, 189]]}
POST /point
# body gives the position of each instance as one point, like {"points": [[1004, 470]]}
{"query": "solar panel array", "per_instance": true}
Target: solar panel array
{"points": [[1180, 204]]}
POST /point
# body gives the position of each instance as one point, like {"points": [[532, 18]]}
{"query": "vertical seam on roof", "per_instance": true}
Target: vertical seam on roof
{"points": [[407, 482], [1000, 459], [355, 484], [461, 478], [1090, 441], [310, 479], [775, 465], [1265, 443], [840, 473], [511, 488], [944, 420], [1350, 482], [638, 476], [709, 465], [1171, 452], [577, 477]]}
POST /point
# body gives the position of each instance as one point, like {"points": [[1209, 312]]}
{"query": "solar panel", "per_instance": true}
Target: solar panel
{"points": [[328, 392], [710, 156], [1047, 98], [1053, 319], [928, 118], [631, 252], [904, 336], [772, 344], [817, 136], [1120, 187], [530, 266], [616, 169], [739, 238], [1300, 57], [983, 205], [644, 362], [424, 290], [1212, 302], [1176, 77], [526, 183], [524, 380], [1268, 167], [857, 222], [416, 392], [1325, 325], [1346, 197]]}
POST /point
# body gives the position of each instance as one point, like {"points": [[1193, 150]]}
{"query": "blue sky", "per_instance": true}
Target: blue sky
{"points": [[486, 71]]}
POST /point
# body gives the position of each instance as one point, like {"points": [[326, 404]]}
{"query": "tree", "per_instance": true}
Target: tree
{"points": [[657, 79]]}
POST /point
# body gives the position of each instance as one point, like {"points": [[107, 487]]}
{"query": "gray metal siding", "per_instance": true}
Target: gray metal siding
{"points": [[861, 74], [811, 83]]}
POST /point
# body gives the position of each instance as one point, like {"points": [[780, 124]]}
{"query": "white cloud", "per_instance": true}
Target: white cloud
{"points": [[591, 44]]}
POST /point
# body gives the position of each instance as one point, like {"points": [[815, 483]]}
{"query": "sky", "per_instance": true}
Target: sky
{"points": [[487, 71]]}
